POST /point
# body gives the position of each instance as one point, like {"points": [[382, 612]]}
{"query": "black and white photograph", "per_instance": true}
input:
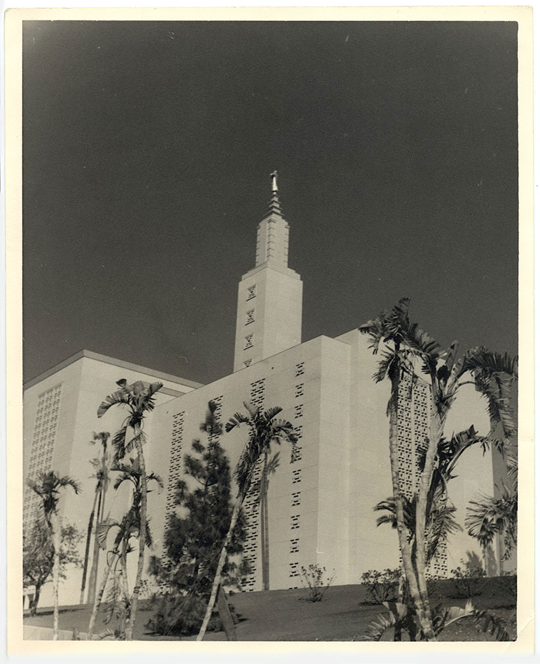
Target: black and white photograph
{"points": [[270, 284]]}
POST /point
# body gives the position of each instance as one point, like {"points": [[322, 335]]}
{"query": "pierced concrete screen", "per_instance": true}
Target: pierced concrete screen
{"points": [[42, 448]]}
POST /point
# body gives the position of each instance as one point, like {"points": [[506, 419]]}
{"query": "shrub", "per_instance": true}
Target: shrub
{"points": [[467, 579], [381, 586], [313, 580], [183, 615], [508, 586]]}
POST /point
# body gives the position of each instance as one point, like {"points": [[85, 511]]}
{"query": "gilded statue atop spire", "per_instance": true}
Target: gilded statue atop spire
{"points": [[273, 177]]}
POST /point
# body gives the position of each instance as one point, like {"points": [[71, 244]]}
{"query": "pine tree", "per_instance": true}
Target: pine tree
{"points": [[195, 535]]}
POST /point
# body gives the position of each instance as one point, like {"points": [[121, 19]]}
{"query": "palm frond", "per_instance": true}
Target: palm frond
{"points": [[491, 624], [102, 531], [132, 442], [115, 599], [389, 506], [251, 409], [121, 396], [271, 414], [379, 626], [487, 516], [235, 421], [152, 389], [442, 524], [119, 442]]}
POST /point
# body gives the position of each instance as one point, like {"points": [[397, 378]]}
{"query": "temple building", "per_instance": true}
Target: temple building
{"points": [[322, 495]]}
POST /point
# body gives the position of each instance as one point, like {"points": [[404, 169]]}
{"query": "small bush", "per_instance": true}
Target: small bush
{"points": [[467, 580], [313, 580], [183, 615], [381, 586]]}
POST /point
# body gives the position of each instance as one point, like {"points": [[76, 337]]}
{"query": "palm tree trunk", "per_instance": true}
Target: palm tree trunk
{"points": [[87, 548], [56, 572], [125, 586], [404, 544], [92, 583], [421, 511], [99, 595], [221, 563], [142, 535]]}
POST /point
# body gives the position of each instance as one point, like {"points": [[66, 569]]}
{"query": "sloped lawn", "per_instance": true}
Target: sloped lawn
{"points": [[281, 615]]}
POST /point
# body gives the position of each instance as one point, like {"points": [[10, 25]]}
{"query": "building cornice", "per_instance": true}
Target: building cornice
{"points": [[115, 362]]}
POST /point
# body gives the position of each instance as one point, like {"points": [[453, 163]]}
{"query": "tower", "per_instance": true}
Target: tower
{"points": [[269, 314]]}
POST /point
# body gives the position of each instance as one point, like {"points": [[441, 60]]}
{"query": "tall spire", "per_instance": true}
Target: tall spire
{"points": [[274, 206], [269, 316]]}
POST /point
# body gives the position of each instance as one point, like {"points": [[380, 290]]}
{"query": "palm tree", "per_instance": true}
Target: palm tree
{"points": [[128, 527], [263, 430], [101, 465], [488, 516], [139, 400], [405, 347], [48, 486]]}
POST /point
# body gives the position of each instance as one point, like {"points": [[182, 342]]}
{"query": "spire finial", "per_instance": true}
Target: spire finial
{"points": [[273, 177]]}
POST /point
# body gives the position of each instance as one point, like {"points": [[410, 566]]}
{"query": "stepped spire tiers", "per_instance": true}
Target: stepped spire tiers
{"points": [[273, 232], [269, 318]]}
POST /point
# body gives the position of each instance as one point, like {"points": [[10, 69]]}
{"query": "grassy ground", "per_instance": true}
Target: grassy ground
{"points": [[343, 615]]}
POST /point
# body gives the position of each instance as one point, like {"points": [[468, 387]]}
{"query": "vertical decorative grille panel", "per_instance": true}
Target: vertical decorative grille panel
{"points": [[294, 570], [175, 463], [218, 402], [41, 451], [256, 395], [252, 505], [414, 414], [175, 473]]}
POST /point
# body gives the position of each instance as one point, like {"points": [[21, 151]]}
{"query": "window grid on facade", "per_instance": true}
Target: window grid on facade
{"points": [[250, 316], [294, 545], [248, 342], [297, 476], [295, 522], [300, 369], [295, 499], [251, 292], [299, 390], [247, 363], [298, 411], [41, 451]]}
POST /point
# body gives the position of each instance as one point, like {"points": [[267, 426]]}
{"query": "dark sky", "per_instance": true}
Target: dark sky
{"points": [[147, 153]]}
